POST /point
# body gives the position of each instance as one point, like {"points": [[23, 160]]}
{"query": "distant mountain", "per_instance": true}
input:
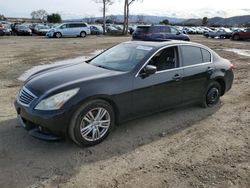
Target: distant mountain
{"points": [[151, 19], [232, 21], [134, 18]]}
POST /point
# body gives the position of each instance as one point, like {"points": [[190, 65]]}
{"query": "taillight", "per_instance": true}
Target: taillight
{"points": [[232, 66], [147, 34]]}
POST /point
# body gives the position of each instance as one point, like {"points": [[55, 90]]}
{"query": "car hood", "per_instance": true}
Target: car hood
{"points": [[65, 75], [43, 30]]}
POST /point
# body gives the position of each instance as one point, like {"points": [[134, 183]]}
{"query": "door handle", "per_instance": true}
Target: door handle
{"points": [[176, 77]]}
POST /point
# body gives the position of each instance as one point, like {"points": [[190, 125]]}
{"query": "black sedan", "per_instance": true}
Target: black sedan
{"points": [[23, 30], [85, 100]]}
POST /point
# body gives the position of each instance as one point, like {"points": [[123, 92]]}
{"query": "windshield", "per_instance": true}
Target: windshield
{"points": [[23, 27], [123, 57]]}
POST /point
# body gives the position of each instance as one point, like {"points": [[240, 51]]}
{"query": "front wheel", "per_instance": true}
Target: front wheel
{"points": [[212, 95], [58, 35], [236, 37], [92, 123], [83, 34]]}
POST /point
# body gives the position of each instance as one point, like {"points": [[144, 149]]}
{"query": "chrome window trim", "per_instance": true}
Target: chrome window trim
{"points": [[181, 67]]}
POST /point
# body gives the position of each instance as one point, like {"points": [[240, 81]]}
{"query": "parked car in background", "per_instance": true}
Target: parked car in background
{"points": [[158, 33], [96, 29], [23, 30], [85, 100], [221, 33], [241, 34], [131, 29], [74, 29], [113, 30], [5, 30], [41, 29]]}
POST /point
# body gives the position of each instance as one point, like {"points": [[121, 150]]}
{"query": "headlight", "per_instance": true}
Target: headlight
{"points": [[55, 102]]}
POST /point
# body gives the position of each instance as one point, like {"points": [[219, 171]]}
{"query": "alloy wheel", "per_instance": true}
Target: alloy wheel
{"points": [[95, 124]]}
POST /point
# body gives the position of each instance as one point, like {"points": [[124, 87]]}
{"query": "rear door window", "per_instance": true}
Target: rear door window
{"points": [[206, 55], [191, 55], [173, 30]]}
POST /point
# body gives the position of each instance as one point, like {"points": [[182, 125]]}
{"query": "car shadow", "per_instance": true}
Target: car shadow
{"points": [[25, 160]]}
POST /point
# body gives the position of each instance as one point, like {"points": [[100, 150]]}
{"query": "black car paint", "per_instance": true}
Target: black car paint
{"points": [[150, 33], [130, 94]]}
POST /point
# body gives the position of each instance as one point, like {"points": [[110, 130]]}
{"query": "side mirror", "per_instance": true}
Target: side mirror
{"points": [[178, 33], [148, 70]]}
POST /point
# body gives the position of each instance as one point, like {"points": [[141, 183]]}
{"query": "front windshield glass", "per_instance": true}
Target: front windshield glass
{"points": [[123, 57]]}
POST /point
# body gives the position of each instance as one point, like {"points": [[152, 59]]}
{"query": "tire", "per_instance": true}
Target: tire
{"points": [[58, 35], [236, 37], [83, 34], [212, 95], [221, 36], [85, 129]]}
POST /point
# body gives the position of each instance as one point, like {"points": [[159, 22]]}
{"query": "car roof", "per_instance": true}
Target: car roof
{"points": [[157, 44]]}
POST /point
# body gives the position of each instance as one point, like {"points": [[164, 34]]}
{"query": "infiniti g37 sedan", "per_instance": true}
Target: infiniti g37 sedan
{"points": [[85, 100]]}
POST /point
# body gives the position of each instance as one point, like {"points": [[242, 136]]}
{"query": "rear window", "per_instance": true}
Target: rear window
{"points": [[160, 29], [191, 55], [142, 29]]}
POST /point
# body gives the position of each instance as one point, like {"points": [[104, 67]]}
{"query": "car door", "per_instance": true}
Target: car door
{"points": [[65, 30], [175, 34], [246, 34], [160, 90], [197, 69]]}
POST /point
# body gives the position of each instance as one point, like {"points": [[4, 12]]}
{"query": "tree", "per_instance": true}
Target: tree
{"points": [[205, 21], [165, 22], [105, 3], [113, 18], [39, 14], [54, 18], [127, 4]]}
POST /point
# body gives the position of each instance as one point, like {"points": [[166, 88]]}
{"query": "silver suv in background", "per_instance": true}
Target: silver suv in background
{"points": [[75, 29]]}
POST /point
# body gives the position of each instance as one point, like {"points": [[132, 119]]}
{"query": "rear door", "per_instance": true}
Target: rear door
{"points": [[197, 69], [141, 32], [161, 90]]}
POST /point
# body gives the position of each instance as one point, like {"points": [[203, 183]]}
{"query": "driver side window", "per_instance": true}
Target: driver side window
{"points": [[165, 59]]}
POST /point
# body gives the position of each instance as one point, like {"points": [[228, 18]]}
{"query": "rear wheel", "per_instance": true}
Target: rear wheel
{"points": [[212, 95], [92, 123]]}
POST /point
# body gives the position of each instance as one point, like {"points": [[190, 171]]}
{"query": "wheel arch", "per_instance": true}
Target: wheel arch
{"points": [[105, 98], [222, 83]]}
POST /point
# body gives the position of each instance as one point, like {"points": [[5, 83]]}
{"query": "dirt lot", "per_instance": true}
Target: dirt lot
{"points": [[185, 147]]}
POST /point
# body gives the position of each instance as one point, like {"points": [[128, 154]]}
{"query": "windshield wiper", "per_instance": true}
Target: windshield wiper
{"points": [[101, 66]]}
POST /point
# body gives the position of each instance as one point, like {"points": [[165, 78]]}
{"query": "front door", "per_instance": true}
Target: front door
{"points": [[160, 90]]}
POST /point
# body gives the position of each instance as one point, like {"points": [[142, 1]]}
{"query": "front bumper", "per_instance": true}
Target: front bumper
{"points": [[48, 122], [50, 34]]}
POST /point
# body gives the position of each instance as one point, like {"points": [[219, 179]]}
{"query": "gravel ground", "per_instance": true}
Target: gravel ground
{"points": [[184, 147]]}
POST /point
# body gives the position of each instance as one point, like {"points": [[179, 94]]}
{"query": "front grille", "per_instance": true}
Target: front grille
{"points": [[25, 97]]}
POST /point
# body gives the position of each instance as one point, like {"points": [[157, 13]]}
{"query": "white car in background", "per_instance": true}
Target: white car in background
{"points": [[73, 29]]}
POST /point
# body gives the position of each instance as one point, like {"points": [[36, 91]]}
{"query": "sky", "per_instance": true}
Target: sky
{"points": [[81, 8]]}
